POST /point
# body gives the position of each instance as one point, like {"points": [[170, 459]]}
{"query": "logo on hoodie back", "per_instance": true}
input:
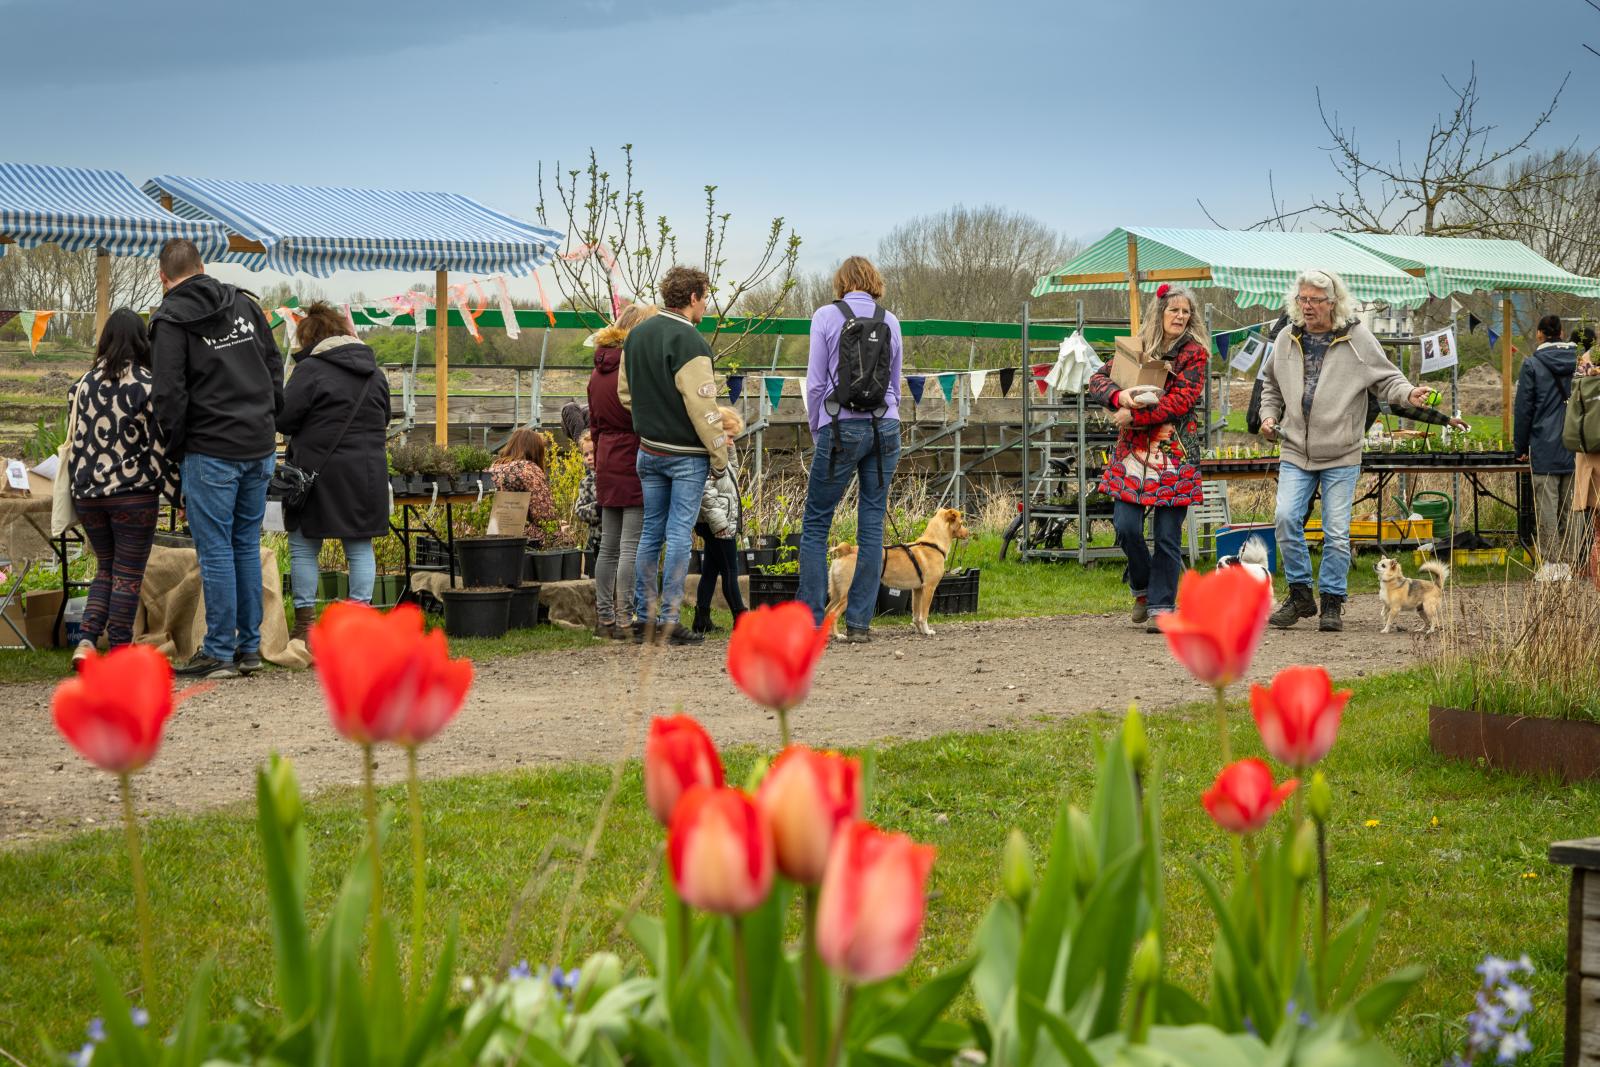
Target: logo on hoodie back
{"points": [[243, 330]]}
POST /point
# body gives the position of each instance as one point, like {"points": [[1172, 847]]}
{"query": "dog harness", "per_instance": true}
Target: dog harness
{"points": [[912, 556]]}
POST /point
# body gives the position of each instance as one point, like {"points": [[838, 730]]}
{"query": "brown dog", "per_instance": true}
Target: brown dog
{"points": [[917, 566], [1400, 593]]}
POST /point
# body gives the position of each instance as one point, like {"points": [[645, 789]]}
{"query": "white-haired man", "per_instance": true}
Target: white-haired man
{"points": [[1314, 401]]}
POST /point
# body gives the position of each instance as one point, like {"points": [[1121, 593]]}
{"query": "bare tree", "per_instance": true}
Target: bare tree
{"points": [[46, 278], [619, 250], [1557, 216]]}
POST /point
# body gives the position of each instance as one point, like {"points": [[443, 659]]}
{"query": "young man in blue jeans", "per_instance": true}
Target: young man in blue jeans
{"points": [[218, 389], [666, 383], [859, 447]]}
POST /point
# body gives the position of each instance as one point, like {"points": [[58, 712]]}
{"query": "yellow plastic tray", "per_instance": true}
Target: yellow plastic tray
{"points": [[1367, 530]]}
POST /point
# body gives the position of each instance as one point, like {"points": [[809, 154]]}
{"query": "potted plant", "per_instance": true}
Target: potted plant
{"points": [[405, 466], [477, 612], [436, 467], [473, 465], [775, 583]]}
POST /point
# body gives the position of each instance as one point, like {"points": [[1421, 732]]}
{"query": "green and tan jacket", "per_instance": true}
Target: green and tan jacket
{"points": [[1353, 367], [666, 383]]}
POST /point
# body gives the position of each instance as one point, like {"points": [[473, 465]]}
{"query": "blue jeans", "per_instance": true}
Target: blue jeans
{"points": [[304, 572], [830, 477], [673, 488], [1155, 579], [226, 500], [1295, 488]]}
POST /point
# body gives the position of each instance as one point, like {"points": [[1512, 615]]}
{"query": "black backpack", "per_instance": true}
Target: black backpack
{"points": [[861, 379]]}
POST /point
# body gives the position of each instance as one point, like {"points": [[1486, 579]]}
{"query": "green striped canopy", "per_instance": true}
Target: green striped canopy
{"points": [[1464, 264], [1258, 266]]}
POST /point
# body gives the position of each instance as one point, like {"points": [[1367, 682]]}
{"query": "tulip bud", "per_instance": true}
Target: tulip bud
{"points": [[1134, 742], [1085, 856], [1147, 961], [1016, 868], [285, 789], [600, 974], [1319, 798], [1303, 852]]}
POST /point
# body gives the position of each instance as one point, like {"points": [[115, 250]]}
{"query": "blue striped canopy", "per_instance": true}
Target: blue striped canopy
{"points": [[80, 209], [319, 230]]}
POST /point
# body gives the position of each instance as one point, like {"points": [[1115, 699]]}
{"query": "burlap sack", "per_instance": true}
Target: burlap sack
{"points": [[172, 614]]}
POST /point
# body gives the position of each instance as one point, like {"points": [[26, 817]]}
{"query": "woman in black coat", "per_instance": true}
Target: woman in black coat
{"points": [[335, 380]]}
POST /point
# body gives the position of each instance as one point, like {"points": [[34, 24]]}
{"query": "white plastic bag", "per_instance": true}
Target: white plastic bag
{"points": [[1075, 365]]}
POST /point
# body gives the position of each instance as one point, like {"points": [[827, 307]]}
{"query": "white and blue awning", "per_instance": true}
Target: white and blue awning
{"points": [[318, 230], [80, 209]]}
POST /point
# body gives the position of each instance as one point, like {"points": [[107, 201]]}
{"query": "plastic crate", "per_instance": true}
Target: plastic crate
{"points": [[773, 588], [957, 593], [1367, 530], [430, 552]]}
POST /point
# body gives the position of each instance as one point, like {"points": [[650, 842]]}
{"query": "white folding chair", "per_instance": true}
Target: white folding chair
{"points": [[1212, 513]]}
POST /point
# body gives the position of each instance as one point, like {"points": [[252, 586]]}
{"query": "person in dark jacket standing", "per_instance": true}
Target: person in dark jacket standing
{"points": [[218, 390], [118, 468], [616, 454], [1541, 408], [335, 413]]}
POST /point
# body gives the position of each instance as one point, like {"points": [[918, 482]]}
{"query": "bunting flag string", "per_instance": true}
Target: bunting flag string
{"points": [[977, 378], [1039, 371], [947, 382], [507, 312], [33, 324], [915, 382], [1008, 377], [774, 391], [735, 388]]}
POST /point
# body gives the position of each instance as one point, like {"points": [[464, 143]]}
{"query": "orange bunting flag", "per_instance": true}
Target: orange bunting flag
{"points": [[33, 324]]}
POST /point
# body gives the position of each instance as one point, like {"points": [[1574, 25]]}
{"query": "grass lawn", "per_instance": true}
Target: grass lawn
{"points": [[1458, 853]]}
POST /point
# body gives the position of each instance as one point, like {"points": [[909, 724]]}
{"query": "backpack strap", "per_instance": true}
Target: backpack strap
{"points": [[846, 310]]}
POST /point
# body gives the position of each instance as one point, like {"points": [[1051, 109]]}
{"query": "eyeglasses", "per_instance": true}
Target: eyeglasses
{"points": [[1311, 301]]}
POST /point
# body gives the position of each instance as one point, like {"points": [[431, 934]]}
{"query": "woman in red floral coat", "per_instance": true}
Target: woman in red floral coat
{"points": [[1156, 464]]}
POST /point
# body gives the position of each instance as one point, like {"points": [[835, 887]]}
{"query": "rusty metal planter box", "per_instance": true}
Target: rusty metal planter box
{"points": [[1564, 747]]}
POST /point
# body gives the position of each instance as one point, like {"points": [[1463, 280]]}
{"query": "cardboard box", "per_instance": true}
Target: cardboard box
{"points": [[35, 615], [1129, 367]]}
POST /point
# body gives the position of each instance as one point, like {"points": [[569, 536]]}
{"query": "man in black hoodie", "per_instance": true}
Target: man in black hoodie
{"points": [[1541, 408], [218, 389]]}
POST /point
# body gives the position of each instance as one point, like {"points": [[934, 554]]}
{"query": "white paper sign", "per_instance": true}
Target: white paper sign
{"points": [[17, 474], [1245, 356], [1439, 350], [1266, 361]]}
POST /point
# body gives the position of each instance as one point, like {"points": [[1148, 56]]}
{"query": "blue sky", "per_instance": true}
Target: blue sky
{"points": [[846, 118]]}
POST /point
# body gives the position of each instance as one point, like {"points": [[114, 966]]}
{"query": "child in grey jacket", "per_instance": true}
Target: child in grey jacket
{"points": [[720, 518]]}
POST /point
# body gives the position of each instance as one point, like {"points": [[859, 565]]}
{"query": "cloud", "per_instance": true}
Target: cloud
{"points": [[76, 42]]}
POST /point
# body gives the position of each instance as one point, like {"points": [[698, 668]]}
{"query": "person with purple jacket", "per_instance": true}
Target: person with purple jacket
{"points": [[848, 445]]}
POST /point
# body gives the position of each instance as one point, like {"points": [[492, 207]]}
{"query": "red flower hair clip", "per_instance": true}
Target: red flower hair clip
{"points": [[1162, 290]]}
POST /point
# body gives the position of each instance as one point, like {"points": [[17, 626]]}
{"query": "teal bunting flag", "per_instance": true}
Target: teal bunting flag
{"points": [[775, 391], [947, 382]]}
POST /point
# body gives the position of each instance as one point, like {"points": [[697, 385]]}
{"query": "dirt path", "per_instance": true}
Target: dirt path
{"points": [[578, 705]]}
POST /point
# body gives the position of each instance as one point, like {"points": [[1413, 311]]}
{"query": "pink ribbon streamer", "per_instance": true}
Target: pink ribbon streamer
{"points": [[509, 313]]}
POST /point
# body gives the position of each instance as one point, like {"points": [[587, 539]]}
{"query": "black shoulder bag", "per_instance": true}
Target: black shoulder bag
{"points": [[292, 485]]}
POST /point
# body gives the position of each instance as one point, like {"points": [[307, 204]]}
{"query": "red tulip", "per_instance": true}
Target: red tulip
{"points": [[720, 851], [873, 895], [1298, 717], [773, 650], [1243, 797], [678, 753], [805, 797], [113, 710], [1219, 622], [384, 678]]}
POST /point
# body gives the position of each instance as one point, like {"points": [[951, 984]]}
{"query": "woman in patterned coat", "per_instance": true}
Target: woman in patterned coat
{"points": [[1155, 467], [521, 468]]}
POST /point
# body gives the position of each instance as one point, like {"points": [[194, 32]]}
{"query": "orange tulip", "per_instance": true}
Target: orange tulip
{"points": [[1243, 797], [114, 709], [873, 895], [1219, 622], [720, 851], [806, 796], [1298, 717], [773, 651], [678, 754], [384, 678]]}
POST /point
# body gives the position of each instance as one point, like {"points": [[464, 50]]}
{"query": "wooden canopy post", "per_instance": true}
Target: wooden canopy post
{"points": [[441, 357], [1133, 284], [1505, 368], [102, 290]]}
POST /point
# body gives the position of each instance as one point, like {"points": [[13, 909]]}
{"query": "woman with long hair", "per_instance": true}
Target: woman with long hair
{"points": [[1155, 467], [616, 452], [118, 468], [523, 467], [336, 416]]}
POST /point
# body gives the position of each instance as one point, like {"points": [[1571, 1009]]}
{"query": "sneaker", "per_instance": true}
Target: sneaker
{"points": [[201, 665], [84, 650], [247, 662], [678, 635], [1141, 609], [857, 635], [1332, 620]]}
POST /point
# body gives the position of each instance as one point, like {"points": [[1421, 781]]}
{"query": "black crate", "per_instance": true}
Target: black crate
{"points": [[957, 593], [430, 552], [773, 588]]}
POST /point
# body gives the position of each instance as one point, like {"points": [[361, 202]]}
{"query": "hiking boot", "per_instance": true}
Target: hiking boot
{"points": [[201, 666], [1299, 604], [677, 635], [303, 618], [1141, 609], [638, 626], [857, 635], [619, 632], [247, 662], [1332, 620]]}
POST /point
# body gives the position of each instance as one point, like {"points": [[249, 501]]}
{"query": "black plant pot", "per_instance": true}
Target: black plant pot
{"points": [[759, 557], [477, 612], [398, 483], [791, 541], [589, 557], [419, 485], [571, 564], [542, 565], [766, 541], [491, 561], [524, 607]]}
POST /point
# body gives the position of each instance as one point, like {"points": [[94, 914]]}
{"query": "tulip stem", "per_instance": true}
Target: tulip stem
{"points": [[845, 1005], [1322, 908], [741, 975], [783, 727], [813, 1001], [141, 899], [419, 878], [1222, 724], [370, 798]]}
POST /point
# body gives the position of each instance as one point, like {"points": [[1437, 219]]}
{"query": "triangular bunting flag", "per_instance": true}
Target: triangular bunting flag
{"points": [[914, 382], [1494, 338], [1008, 377], [33, 324], [1473, 322], [947, 382], [1224, 342], [735, 387], [507, 312], [1455, 306], [977, 377], [774, 391], [1039, 371]]}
